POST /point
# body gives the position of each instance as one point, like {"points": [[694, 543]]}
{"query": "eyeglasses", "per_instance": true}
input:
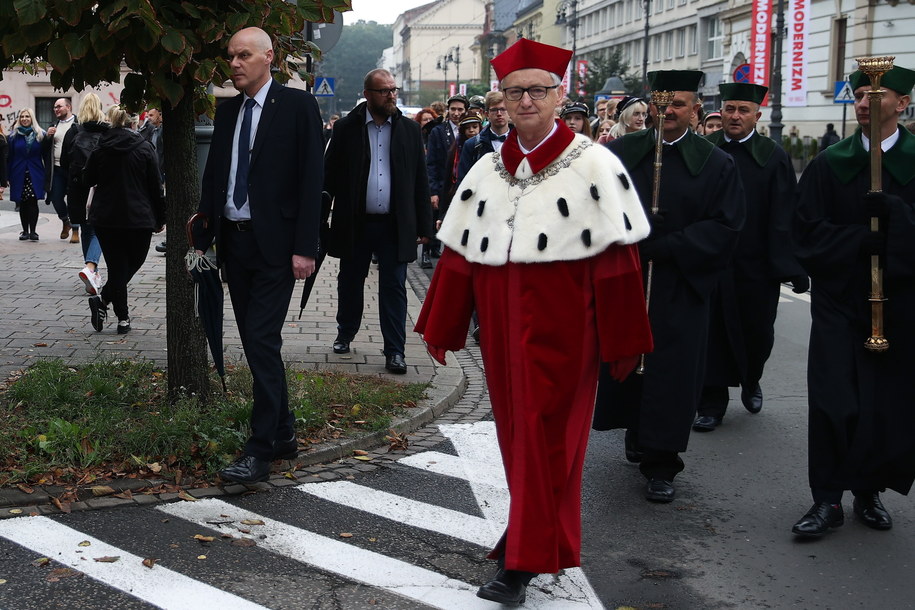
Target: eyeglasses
{"points": [[498, 110], [385, 91], [514, 94]]}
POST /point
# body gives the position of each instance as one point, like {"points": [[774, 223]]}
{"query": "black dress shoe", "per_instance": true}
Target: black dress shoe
{"points": [[633, 454], [396, 364], [341, 346], [246, 469], [426, 261], [752, 398], [871, 511], [508, 587], [706, 423], [818, 520], [286, 450], [660, 490]]}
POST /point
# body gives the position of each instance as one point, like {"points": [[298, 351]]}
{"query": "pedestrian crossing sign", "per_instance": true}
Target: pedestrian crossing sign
{"points": [[324, 87], [843, 93]]}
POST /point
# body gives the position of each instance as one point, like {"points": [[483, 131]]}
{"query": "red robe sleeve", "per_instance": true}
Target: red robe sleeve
{"points": [[622, 317], [445, 316]]}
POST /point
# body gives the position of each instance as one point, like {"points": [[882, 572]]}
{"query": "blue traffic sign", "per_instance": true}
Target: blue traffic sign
{"points": [[324, 87], [843, 93]]}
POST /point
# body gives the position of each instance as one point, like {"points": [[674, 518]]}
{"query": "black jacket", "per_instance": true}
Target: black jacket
{"points": [[346, 167], [3, 146], [125, 173], [79, 143]]}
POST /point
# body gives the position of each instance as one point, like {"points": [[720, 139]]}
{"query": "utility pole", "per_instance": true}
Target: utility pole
{"points": [[775, 94]]}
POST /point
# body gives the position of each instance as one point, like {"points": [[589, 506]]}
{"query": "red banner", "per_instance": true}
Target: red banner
{"points": [[582, 69], [761, 44]]}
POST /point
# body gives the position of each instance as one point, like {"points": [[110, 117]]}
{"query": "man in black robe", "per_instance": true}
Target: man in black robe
{"points": [[693, 237], [861, 415], [742, 324]]}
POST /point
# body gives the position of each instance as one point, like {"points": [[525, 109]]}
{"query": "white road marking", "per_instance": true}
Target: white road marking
{"points": [[158, 586], [457, 467], [788, 295], [404, 510], [338, 557]]}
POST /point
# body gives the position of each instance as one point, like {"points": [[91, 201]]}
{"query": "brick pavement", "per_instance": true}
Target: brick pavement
{"points": [[46, 315]]}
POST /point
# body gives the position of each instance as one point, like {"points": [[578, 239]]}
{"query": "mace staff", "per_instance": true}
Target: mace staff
{"points": [[875, 68], [661, 100]]}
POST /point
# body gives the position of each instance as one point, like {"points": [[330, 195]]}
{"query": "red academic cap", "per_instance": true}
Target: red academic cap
{"points": [[529, 54]]}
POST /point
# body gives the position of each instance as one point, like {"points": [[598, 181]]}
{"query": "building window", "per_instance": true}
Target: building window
{"points": [[669, 45], [839, 32], [628, 11], [692, 40], [681, 42], [670, 4], [44, 111], [715, 36], [657, 47]]}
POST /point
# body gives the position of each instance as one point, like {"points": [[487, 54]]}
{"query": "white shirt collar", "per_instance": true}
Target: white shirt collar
{"points": [[666, 143], [261, 96], [885, 145], [742, 140], [370, 119], [548, 136]]}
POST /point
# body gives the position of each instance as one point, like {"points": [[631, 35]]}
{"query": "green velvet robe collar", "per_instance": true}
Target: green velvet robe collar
{"points": [[695, 149], [848, 158]]}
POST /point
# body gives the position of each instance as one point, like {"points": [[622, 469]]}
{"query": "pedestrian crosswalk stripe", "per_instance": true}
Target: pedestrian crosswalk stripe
{"points": [[454, 466], [332, 555], [158, 586], [410, 512]]}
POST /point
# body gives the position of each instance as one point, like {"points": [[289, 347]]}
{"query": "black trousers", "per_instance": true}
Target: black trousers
{"points": [[378, 235], [260, 295], [28, 214], [125, 252]]}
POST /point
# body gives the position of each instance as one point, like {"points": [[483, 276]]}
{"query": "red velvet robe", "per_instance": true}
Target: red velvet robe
{"points": [[545, 327]]}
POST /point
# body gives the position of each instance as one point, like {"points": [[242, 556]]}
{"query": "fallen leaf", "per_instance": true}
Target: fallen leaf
{"points": [[346, 535], [39, 345], [243, 542], [84, 543], [107, 559], [155, 467], [373, 539], [291, 475], [364, 458], [244, 530], [25, 489], [57, 573], [186, 496], [360, 452], [41, 562], [202, 538], [2, 581], [201, 557], [15, 511], [101, 490], [149, 562], [125, 495], [251, 522]]}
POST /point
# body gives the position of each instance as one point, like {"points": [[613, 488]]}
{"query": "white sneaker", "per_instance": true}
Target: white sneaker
{"points": [[87, 275], [97, 282]]}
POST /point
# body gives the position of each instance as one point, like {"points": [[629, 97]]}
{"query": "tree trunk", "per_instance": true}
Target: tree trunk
{"points": [[188, 363]]}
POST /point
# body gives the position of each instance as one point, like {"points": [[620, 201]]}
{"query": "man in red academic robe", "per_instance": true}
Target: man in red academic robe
{"points": [[540, 240]]}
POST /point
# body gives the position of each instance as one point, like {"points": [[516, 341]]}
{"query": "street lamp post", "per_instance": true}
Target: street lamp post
{"points": [[775, 97], [567, 14], [443, 66], [452, 56], [645, 50]]}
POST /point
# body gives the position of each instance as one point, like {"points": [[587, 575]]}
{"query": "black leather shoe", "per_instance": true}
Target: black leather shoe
{"points": [[246, 469], [706, 423], [819, 519], [870, 510], [509, 587], [426, 262], [633, 454], [161, 248], [341, 346], [396, 364], [660, 490], [286, 450], [752, 398]]}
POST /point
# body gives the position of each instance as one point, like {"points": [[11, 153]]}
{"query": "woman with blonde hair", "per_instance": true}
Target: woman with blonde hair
{"points": [[630, 116], [126, 209], [25, 166], [79, 143]]}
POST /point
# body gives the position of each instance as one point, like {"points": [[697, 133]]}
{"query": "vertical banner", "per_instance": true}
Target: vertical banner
{"points": [[462, 88], [452, 89], [581, 66], [798, 37], [567, 79], [493, 85], [761, 44]]}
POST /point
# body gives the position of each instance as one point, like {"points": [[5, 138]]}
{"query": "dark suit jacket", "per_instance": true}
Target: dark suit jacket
{"points": [[346, 175], [437, 160], [284, 176], [474, 149]]}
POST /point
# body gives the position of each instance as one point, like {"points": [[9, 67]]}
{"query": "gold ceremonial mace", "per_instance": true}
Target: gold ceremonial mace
{"points": [[661, 99], [875, 68]]}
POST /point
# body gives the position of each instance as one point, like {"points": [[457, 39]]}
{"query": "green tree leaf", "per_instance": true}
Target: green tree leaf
{"points": [[173, 42], [58, 55], [29, 11]]}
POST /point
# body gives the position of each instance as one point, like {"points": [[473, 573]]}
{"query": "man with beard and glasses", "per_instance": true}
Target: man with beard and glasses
{"points": [[375, 173]]}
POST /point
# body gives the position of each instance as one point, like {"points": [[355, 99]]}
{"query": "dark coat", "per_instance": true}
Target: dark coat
{"points": [[742, 332], [79, 143], [4, 181], [437, 167], [346, 167], [861, 414], [18, 160], [704, 207], [125, 174], [284, 175], [473, 151]]}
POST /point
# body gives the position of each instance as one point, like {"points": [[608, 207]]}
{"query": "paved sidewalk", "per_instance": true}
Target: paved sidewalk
{"points": [[45, 314]]}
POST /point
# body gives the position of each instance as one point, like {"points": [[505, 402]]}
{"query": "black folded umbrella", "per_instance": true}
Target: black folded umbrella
{"points": [[208, 298], [322, 251]]}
